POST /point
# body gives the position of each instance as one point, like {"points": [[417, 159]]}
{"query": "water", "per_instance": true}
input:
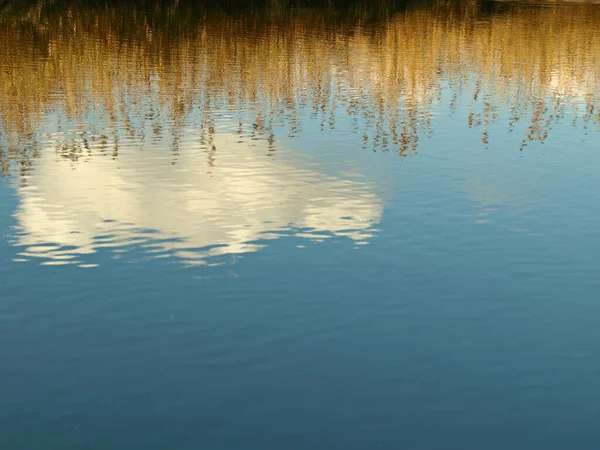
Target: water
{"points": [[341, 228]]}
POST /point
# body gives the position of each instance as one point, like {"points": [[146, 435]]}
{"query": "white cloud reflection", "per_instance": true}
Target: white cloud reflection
{"points": [[228, 201]]}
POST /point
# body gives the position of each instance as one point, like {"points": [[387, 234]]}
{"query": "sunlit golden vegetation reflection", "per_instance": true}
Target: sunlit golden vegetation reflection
{"points": [[114, 73]]}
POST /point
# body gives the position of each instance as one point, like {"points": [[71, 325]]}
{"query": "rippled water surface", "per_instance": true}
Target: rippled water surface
{"points": [[299, 228]]}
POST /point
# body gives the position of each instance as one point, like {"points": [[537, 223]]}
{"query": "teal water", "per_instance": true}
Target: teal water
{"points": [[307, 229]]}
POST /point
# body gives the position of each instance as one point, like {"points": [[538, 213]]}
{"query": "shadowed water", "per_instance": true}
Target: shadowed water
{"points": [[299, 227]]}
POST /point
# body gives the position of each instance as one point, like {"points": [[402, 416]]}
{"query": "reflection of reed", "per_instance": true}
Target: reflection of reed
{"points": [[113, 74]]}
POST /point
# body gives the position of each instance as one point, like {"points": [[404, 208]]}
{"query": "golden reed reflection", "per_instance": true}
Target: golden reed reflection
{"points": [[111, 73]]}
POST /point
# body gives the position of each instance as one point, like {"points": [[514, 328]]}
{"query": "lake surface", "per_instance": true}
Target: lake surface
{"points": [[299, 228]]}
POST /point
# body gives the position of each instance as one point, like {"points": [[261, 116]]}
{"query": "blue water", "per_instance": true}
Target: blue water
{"points": [[320, 295]]}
